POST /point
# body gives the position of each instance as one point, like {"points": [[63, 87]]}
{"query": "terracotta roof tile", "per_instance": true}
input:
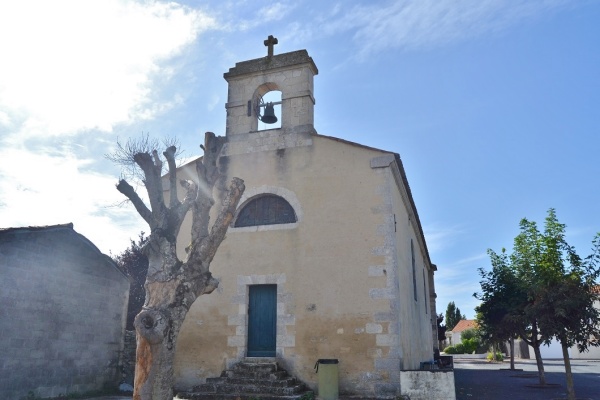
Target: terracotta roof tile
{"points": [[465, 324]]}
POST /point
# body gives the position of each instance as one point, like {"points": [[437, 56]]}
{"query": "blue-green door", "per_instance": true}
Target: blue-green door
{"points": [[262, 320]]}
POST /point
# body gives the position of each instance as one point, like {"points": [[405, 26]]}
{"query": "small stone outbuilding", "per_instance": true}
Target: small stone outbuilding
{"points": [[63, 313]]}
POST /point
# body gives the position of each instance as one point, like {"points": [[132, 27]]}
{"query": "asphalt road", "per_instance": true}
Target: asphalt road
{"points": [[478, 379], [481, 380]]}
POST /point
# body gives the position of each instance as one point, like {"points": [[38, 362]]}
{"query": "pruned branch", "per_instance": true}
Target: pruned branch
{"points": [[139, 205], [124, 154], [213, 146], [207, 172], [179, 210], [204, 249], [170, 156], [152, 179]]}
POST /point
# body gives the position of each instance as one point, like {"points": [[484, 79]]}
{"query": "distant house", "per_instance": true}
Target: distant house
{"points": [[455, 335], [63, 313]]}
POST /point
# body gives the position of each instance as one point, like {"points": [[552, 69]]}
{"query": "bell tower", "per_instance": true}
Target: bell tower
{"points": [[289, 73]]}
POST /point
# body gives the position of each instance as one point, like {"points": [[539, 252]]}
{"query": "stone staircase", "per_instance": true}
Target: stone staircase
{"points": [[251, 379]]}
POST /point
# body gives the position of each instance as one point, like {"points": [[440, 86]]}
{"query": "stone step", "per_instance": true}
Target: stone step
{"points": [[256, 367], [248, 388], [308, 395], [236, 380], [250, 380], [255, 374]]}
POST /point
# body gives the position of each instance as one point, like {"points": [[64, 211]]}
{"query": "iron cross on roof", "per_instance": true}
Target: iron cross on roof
{"points": [[270, 42]]}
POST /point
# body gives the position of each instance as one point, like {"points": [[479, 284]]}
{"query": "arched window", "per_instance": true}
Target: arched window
{"points": [[266, 210]]}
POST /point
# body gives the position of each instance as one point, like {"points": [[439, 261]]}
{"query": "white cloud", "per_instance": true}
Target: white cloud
{"points": [[269, 13], [439, 238], [55, 187], [73, 68], [214, 101], [422, 23], [71, 65]]}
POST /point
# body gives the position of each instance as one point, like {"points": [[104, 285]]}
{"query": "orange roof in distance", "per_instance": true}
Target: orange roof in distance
{"points": [[465, 324]]}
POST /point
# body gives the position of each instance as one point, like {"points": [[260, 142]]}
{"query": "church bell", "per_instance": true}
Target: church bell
{"points": [[269, 115]]}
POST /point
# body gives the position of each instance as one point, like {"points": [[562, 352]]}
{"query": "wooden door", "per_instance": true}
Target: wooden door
{"points": [[262, 320]]}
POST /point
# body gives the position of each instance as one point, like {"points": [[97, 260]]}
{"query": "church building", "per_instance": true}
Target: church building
{"points": [[325, 258]]}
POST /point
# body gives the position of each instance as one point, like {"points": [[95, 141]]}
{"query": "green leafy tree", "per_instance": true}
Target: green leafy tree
{"points": [[500, 315], [453, 316], [561, 285], [543, 290], [525, 261]]}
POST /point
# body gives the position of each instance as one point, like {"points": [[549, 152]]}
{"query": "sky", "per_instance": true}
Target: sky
{"points": [[493, 106]]}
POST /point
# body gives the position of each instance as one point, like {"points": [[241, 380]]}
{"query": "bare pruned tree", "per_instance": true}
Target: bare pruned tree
{"points": [[172, 285]]}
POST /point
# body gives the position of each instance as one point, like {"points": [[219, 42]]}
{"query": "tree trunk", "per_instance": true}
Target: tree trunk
{"points": [[512, 353], [153, 370], [568, 372], [539, 362], [535, 342], [157, 329]]}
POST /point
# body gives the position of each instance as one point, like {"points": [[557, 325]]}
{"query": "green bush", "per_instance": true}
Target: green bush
{"points": [[470, 345], [460, 348], [499, 356], [468, 334], [450, 350], [456, 349]]}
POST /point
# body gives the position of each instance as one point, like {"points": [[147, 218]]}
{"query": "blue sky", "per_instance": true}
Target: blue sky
{"points": [[493, 106]]}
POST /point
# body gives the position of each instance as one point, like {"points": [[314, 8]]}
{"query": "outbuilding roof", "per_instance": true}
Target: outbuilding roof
{"points": [[464, 324], [25, 230]]}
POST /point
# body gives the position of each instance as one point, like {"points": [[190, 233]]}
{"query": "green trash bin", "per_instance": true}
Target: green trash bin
{"points": [[327, 372]]}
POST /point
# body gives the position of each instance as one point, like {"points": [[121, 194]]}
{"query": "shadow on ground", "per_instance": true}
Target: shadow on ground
{"points": [[476, 380]]}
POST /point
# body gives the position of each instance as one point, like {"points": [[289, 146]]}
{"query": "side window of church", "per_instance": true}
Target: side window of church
{"points": [[414, 272], [425, 292], [266, 210]]}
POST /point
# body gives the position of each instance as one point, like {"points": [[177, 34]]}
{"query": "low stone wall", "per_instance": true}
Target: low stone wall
{"points": [[469, 356], [427, 385]]}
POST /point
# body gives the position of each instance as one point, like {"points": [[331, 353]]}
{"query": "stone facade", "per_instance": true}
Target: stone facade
{"points": [[353, 274], [63, 313]]}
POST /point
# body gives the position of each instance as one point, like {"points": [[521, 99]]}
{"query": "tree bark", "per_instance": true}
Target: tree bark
{"points": [[539, 362], [568, 372], [535, 342], [512, 353], [154, 356]]}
